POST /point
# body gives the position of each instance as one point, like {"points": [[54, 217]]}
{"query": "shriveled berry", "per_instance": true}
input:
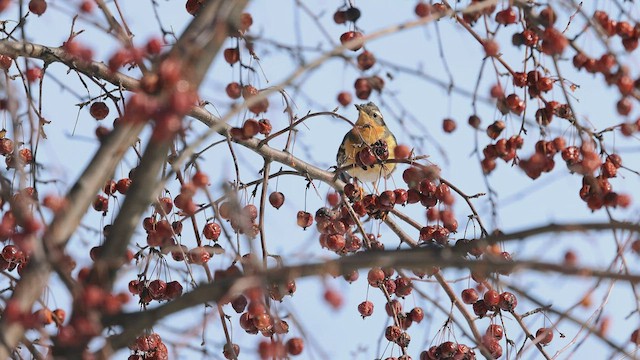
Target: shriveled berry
{"points": [[365, 308]]}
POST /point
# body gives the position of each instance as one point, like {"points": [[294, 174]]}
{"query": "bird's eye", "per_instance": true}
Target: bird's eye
{"points": [[375, 115]]}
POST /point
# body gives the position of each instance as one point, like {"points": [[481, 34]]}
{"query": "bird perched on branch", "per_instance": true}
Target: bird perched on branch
{"points": [[368, 145]]}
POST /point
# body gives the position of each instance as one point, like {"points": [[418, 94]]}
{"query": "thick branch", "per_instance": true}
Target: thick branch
{"points": [[411, 259]]}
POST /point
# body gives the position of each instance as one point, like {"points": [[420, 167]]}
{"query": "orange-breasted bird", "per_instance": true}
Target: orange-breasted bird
{"points": [[371, 134]]}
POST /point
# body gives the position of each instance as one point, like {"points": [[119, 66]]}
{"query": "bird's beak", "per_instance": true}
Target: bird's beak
{"points": [[359, 107]]}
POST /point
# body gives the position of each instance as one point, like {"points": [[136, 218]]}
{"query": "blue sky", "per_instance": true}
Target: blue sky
{"points": [[522, 202]]}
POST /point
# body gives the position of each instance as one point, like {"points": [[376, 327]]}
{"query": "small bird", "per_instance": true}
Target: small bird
{"points": [[369, 142]]}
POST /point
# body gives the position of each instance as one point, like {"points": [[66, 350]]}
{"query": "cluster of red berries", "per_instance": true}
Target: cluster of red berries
{"points": [[334, 225], [503, 148], [83, 327], [597, 191], [251, 128], [256, 318], [553, 41], [365, 60], [365, 85], [148, 346], [470, 17], [77, 50], [100, 203], [491, 301], [278, 350], [381, 278], [158, 290], [13, 158], [542, 160], [619, 76], [344, 15], [629, 34], [95, 298], [38, 319], [18, 229], [180, 98], [401, 286], [425, 189], [134, 56], [448, 350], [161, 233], [234, 90], [232, 55], [242, 220], [370, 155], [535, 82]]}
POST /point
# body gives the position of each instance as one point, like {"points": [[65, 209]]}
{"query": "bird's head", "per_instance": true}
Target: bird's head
{"points": [[369, 115]]}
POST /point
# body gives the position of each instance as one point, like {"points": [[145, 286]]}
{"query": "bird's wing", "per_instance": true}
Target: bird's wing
{"points": [[343, 155]]}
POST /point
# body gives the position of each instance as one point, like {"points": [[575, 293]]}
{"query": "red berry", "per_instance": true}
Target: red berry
{"points": [[624, 106], [212, 231], [157, 289], [366, 60], [231, 352], [491, 48], [173, 290], [508, 301], [345, 98], [365, 308], [635, 336], [545, 335], [334, 298], [234, 90], [34, 74], [38, 7], [295, 346], [553, 42], [250, 128], [448, 125], [199, 255], [401, 152], [340, 17], [375, 276], [5, 62], [351, 36], [547, 17], [363, 88], [304, 219], [276, 199], [470, 296], [86, 6], [422, 9], [154, 46], [506, 16], [122, 186], [416, 314], [231, 55], [99, 110]]}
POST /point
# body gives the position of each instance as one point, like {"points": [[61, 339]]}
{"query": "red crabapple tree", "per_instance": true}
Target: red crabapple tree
{"points": [[142, 192]]}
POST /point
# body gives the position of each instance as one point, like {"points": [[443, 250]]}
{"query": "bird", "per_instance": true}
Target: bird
{"points": [[369, 136]]}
